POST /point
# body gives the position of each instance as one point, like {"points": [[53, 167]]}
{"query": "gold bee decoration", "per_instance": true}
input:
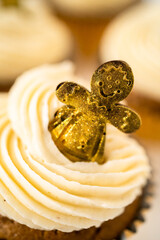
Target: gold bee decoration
{"points": [[79, 127]]}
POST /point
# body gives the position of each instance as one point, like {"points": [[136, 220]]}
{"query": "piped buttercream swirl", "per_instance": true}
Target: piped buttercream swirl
{"points": [[42, 189]]}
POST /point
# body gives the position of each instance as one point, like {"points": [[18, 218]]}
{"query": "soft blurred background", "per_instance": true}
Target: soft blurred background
{"points": [[44, 31]]}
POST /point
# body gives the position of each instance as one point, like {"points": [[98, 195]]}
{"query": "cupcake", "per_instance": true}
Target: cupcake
{"points": [[29, 36], [44, 195], [134, 37], [86, 9], [87, 19]]}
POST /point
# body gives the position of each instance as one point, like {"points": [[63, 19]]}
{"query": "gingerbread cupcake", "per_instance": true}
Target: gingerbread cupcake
{"points": [[54, 185], [29, 36], [87, 19]]}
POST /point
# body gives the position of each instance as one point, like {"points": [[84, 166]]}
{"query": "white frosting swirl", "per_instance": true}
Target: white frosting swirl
{"points": [[42, 188], [30, 36], [91, 7], [134, 37]]}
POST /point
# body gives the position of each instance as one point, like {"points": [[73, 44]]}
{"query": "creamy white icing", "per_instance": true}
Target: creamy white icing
{"points": [[134, 37], [90, 7], [41, 188], [30, 36]]}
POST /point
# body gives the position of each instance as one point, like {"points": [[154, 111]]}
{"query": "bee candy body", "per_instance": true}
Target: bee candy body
{"points": [[89, 139], [79, 127]]}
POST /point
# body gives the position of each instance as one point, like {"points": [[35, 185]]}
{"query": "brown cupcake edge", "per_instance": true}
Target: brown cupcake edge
{"points": [[109, 230]]}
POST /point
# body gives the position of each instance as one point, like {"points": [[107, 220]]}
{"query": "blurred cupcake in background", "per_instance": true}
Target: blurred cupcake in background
{"points": [[29, 36], [87, 18], [90, 8], [134, 36]]}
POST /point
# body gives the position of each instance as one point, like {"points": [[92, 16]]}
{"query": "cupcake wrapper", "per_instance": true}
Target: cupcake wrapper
{"points": [[132, 228]]}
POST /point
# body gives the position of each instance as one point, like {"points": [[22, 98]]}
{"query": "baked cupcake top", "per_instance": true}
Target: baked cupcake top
{"points": [[91, 7], [134, 36], [40, 187], [30, 36]]}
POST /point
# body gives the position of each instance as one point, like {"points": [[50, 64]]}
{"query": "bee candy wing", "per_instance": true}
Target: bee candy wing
{"points": [[123, 118], [72, 94]]}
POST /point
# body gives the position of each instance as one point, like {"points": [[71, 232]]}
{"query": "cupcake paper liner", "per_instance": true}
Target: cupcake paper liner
{"points": [[139, 217]]}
